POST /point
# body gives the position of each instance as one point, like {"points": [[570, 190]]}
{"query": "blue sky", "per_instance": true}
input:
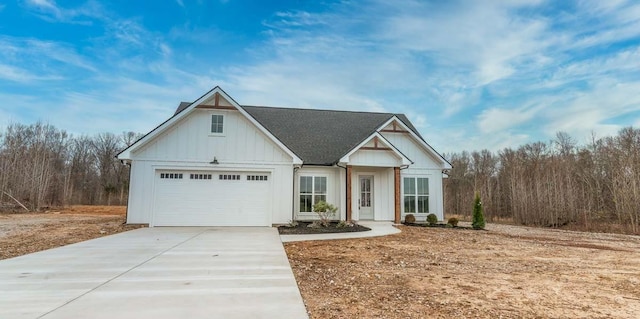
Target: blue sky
{"points": [[469, 74]]}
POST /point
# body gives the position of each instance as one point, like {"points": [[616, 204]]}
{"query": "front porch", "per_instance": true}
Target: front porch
{"points": [[373, 193]]}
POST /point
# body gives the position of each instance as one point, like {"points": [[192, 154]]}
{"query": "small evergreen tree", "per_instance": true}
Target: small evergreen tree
{"points": [[478, 216]]}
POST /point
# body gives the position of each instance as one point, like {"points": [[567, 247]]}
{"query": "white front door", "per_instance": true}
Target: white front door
{"points": [[365, 202]]}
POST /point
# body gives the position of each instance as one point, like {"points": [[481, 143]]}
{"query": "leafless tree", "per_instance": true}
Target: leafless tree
{"points": [[42, 166], [554, 183]]}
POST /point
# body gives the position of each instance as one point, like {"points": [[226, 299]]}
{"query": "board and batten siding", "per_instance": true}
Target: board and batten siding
{"points": [[189, 146], [424, 165], [191, 140], [370, 157]]}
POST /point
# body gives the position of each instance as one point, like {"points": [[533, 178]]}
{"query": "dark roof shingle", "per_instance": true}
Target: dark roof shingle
{"points": [[318, 137]]}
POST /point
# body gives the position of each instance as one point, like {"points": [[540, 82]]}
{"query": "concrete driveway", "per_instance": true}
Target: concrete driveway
{"points": [[156, 273]]}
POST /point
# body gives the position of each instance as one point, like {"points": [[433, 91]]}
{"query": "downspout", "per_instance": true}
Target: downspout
{"points": [[293, 197], [126, 211]]}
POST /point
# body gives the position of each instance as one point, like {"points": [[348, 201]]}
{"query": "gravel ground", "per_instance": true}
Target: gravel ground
{"points": [[504, 272], [24, 233]]}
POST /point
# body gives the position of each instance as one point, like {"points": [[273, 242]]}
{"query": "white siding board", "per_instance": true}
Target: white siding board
{"points": [[374, 158], [411, 149], [189, 139]]}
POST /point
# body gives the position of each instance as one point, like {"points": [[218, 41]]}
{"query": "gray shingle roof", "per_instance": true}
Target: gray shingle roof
{"points": [[318, 137], [182, 106]]}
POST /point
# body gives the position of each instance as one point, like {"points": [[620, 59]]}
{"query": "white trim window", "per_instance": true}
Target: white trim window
{"points": [[416, 195], [217, 124], [312, 190]]}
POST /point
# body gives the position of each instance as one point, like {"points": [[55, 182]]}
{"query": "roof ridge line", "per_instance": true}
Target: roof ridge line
{"points": [[312, 109]]}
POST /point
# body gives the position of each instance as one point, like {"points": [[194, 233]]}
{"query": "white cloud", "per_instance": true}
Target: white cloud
{"points": [[606, 108], [470, 75], [493, 120], [15, 74], [50, 11]]}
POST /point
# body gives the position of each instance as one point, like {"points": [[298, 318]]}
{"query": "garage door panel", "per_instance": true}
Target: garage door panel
{"points": [[190, 202]]}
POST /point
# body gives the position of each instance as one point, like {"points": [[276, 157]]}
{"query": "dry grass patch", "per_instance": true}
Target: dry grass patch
{"points": [[24, 233], [508, 272]]}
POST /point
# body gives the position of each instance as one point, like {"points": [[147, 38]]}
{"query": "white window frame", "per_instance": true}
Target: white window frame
{"points": [[211, 133], [416, 195], [313, 190]]}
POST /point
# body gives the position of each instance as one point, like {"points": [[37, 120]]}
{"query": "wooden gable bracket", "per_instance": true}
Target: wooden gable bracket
{"points": [[216, 104], [376, 147], [395, 129]]}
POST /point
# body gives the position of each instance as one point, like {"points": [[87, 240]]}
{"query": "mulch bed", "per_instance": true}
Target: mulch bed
{"points": [[302, 228], [436, 225]]}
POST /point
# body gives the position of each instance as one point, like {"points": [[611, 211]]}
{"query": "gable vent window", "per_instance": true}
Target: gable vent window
{"points": [[200, 176], [256, 177], [217, 124], [171, 175], [229, 177]]}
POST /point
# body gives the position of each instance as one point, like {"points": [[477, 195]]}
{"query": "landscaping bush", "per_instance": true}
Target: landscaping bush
{"points": [[432, 219], [316, 224], [325, 211], [453, 221], [409, 219], [478, 216], [344, 224]]}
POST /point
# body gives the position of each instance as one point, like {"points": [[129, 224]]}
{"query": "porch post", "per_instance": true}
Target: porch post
{"points": [[348, 192], [396, 174]]}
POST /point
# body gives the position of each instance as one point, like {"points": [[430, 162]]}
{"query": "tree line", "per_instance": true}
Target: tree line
{"points": [[552, 183], [543, 183], [41, 166]]}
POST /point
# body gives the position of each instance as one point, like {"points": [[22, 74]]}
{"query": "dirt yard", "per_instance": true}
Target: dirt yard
{"points": [[505, 272], [24, 233]]}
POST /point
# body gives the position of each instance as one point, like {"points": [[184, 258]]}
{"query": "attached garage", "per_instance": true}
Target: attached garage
{"points": [[212, 198]]}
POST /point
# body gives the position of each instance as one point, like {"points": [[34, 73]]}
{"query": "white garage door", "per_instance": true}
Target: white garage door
{"points": [[192, 198]]}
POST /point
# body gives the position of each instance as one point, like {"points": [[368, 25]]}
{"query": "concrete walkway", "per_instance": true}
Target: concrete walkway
{"points": [[156, 273], [377, 229]]}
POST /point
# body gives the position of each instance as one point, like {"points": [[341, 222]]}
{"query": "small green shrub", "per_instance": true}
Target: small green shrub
{"points": [[325, 211], [448, 226], [409, 219], [453, 222], [432, 219], [478, 216], [345, 224]]}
